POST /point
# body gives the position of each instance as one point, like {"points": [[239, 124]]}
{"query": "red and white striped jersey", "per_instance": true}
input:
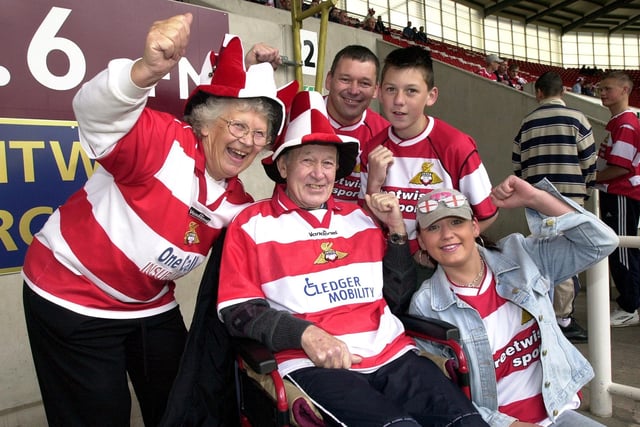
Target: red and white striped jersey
{"points": [[621, 147], [147, 216], [371, 124], [487, 75], [514, 337], [323, 266], [440, 157]]}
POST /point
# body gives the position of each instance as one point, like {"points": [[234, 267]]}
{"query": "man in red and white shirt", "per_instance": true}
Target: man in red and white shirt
{"points": [[352, 82], [314, 291], [618, 179]]}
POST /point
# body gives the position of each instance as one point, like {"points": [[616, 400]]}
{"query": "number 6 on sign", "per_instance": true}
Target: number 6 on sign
{"points": [[309, 49], [43, 42]]}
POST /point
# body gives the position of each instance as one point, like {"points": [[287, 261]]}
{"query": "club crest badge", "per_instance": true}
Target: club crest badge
{"points": [[329, 254], [426, 176], [526, 317], [191, 237]]}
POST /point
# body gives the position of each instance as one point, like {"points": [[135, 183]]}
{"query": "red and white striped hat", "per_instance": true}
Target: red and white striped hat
{"points": [[309, 124], [225, 75]]}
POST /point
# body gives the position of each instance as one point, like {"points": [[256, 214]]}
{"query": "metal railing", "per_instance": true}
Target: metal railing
{"points": [[602, 387]]}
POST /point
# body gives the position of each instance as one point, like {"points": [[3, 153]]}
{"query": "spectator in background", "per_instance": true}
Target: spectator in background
{"points": [[421, 36], [352, 83], [369, 22], [343, 18], [501, 72], [556, 142], [492, 62], [334, 15], [283, 4], [587, 89], [408, 32], [514, 79], [618, 179], [380, 27], [577, 86], [308, 6]]}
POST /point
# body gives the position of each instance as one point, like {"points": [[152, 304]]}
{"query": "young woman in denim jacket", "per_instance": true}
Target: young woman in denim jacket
{"points": [[524, 372]]}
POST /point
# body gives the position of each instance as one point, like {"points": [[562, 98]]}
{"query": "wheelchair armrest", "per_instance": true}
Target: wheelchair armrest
{"points": [[447, 334], [255, 354], [431, 328]]}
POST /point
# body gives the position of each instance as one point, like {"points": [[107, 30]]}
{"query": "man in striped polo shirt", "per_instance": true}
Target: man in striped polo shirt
{"points": [[556, 142]]}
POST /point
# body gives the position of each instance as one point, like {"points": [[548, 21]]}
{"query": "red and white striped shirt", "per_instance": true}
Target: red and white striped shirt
{"points": [[621, 147], [440, 157], [147, 216], [323, 266], [371, 124], [484, 73], [514, 337]]}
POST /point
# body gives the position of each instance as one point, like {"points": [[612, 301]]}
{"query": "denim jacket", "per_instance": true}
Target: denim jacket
{"points": [[524, 269]]}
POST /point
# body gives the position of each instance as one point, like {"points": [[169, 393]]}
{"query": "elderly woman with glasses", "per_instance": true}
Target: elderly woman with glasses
{"points": [[524, 372], [100, 276]]}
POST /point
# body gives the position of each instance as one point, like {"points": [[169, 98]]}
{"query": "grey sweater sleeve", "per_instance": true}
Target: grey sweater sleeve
{"points": [[400, 277], [278, 330]]}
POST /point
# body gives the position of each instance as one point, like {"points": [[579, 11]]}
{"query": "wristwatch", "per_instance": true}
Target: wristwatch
{"points": [[397, 238]]}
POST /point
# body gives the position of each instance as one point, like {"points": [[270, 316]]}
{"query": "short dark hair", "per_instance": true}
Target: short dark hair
{"points": [[411, 57], [357, 53], [550, 84]]}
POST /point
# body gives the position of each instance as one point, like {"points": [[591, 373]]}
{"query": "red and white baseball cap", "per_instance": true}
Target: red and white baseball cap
{"points": [[309, 124], [225, 75]]}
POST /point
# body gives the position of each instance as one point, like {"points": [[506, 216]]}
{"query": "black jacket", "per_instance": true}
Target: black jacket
{"points": [[203, 393]]}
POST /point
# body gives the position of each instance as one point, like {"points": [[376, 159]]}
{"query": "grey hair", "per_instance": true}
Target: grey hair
{"points": [[203, 114]]}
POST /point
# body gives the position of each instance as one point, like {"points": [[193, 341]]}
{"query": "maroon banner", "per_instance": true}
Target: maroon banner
{"points": [[51, 47]]}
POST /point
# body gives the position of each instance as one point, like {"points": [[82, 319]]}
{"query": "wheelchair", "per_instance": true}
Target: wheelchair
{"points": [[230, 381], [265, 399]]}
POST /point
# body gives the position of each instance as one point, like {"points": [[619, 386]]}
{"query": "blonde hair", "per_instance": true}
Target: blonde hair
{"points": [[622, 78]]}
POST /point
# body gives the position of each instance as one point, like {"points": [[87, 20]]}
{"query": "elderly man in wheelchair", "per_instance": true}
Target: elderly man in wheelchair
{"points": [[317, 282]]}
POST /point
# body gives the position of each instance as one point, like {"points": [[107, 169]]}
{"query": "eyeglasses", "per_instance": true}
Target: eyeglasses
{"points": [[240, 129], [452, 201]]}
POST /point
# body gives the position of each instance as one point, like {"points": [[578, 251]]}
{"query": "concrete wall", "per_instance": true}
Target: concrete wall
{"points": [[491, 113]]}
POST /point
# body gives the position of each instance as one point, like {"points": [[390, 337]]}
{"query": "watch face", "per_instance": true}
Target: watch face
{"points": [[398, 239]]}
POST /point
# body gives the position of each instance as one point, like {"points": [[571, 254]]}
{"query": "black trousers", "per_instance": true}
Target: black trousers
{"points": [[410, 391], [621, 214], [82, 363]]}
